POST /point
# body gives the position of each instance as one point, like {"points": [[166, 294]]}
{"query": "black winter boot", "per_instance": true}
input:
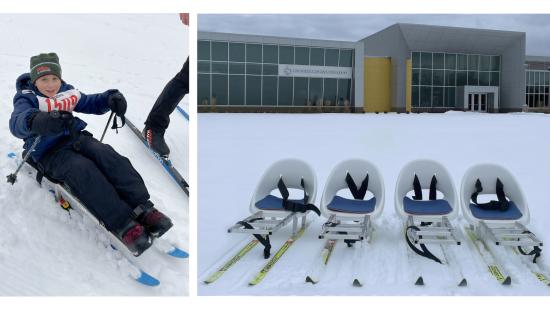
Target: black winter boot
{"points": [[155, 139], [134, 236], [153, 220]]}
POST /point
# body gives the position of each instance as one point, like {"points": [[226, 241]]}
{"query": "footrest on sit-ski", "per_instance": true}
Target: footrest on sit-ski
{"points": [[440, 231], [508, 234], [262, 224], [351, 230]]}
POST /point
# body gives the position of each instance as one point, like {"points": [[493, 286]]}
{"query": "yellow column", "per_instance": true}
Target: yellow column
{"points": [[377, 84]]}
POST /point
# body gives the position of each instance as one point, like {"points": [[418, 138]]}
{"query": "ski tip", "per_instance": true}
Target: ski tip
{"points": [[507, 281], [146, 279], [357, 283], [463, 282], [12, 155], [308, 279], [419, 281], [178, 253]]}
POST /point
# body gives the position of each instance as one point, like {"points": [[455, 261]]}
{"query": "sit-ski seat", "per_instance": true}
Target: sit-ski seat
{"points": [[351, 218], [421, 175], [358, 171], [482, 178]]}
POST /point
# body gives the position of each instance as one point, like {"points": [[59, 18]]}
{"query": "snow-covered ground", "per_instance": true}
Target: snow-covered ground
{"points": [[42, 251], [235, 149]]}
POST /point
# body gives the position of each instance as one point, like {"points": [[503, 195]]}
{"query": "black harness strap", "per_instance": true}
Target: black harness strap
{"points": [[423, 251], [358, 194], [536, 250], [417, 189], [294, 206], [264, 241], [502, 204], [433, 189]]}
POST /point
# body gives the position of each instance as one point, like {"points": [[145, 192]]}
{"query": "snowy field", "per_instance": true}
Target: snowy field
{"points": [[42, 250], [235, 149]]}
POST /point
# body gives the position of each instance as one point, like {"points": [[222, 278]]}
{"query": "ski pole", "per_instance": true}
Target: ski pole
{"points": [[106, 126], [13, 177]]}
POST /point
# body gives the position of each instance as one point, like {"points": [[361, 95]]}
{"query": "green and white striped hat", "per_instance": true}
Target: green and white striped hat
{"points": [[45, 64]]}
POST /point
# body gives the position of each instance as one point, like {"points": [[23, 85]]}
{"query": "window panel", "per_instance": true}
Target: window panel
{"points": [[316, 91], [285, 91], [495, 79], [484, 78], [484, 63], [450, 61], [253, 90], [300, 91], [219, 89], [331, 57], [426, 60], [331, 91], [236, 52], [203, 66], [219, 51], [438, 77], [344, 91], [462, 62], [473, 62], [346, 58], [253, 69], [426, 77], [253, 53], [317, 56], [495, 63], [302, 55], [415, 100], [461, 78], [286, 54], [270, 53], [270, 69], [203, 89], [269, 93], [203, 50], [416, 60], [219, 67], [438, 61], [450, 78], [416, 76], [450, 99], [236, 68], [473, 79], [425, 96], [236, 90], [437, 97]]}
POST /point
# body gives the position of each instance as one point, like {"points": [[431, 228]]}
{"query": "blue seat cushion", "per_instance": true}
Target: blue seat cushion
{"points": [[271, 202], [513, 213], [434, 207], [341, 204]]}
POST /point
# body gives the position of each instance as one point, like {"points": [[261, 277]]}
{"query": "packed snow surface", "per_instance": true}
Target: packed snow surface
{"points": [[43, 251], [235, 149]]}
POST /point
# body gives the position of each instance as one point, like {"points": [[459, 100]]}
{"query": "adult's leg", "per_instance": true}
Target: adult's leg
{"points": [[169, 98], [117, 169], [89, 185]]}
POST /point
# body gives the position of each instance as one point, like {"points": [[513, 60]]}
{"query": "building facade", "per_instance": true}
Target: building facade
{"points": [[403, 68]]}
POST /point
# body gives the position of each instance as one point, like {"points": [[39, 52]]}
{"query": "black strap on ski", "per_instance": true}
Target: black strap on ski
{"points": [[502, 204], [294, 206], [536, 252], [358, 194], [264, 241], [423, 251]]}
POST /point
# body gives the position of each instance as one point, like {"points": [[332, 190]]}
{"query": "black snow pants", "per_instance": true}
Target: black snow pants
{"points": [[169, 98], [98, 176]]}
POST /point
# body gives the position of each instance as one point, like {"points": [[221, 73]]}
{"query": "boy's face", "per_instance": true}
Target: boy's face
{"points": [[48, 85]]}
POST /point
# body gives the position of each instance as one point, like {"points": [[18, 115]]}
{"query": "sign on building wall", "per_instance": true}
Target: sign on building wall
{"points": [[291, 70]]}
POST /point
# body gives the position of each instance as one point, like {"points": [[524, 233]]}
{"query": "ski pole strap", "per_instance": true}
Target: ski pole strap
{"points": [[264, 241], [358, 194], [502, 204], [115, 123], [296, 206], [423, 251], [536, 252]]}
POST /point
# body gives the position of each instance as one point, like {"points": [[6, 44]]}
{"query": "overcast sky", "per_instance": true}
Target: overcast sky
{"points": [[356, 27]]}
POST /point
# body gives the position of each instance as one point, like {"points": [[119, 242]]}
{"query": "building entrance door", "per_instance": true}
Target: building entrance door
{"points": [[477, 102]]}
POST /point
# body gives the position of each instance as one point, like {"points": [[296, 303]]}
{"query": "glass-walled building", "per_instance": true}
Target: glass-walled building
{"points": [[403, 68], [435, 76], [257, 72]]}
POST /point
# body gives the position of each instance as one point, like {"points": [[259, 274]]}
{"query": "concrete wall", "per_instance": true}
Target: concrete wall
{"points": [[512, 79]]}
